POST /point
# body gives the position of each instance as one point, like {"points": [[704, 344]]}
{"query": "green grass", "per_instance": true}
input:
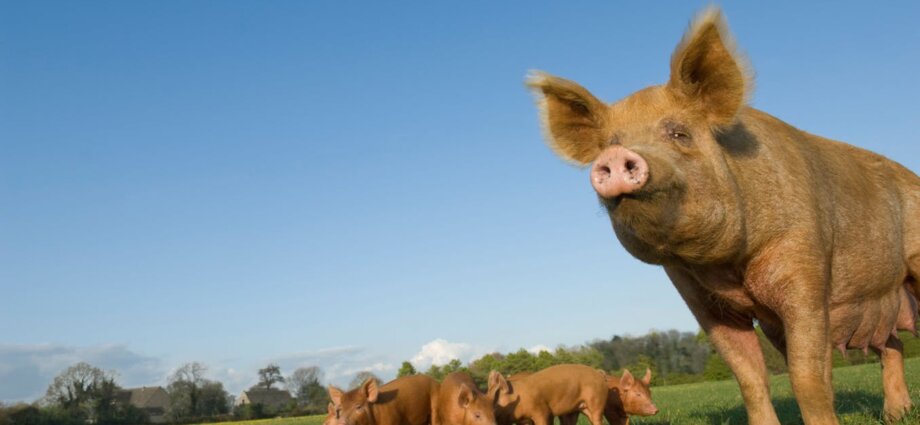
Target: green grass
{"points": [[302, 420], [858, 401]]}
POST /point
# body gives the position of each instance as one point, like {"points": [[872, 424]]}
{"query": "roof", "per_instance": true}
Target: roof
{"points": [[272, 397], [145, 397]]}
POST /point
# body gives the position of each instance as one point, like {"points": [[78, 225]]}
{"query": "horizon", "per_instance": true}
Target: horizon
{"points": [[353, 186]]}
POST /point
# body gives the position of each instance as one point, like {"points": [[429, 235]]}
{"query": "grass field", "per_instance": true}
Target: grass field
{"points": [[858, 389]]}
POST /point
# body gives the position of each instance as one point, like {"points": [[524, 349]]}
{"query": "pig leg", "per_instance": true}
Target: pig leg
{"points": [[897, 398], [568, 419], [806, 324], [594, 407], [596, 417], [734, 338], [544, 419]]}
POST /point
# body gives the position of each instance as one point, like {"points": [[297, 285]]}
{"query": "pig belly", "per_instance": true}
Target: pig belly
{"points": [[864, 323]]}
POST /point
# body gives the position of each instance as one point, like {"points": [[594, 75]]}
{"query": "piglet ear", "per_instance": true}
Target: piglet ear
{"points": [[497, 382], [335, 394], [574, 121], [370, 390], [330, 409], [627, 380], [707, 73], [647, 379], [465, 397]]}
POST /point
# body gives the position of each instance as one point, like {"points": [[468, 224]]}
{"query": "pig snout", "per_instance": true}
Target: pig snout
{"points": [[618, 171]]}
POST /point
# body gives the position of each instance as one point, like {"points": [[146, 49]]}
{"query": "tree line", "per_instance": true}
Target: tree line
{"points": [[674, 357], [84, 394]]}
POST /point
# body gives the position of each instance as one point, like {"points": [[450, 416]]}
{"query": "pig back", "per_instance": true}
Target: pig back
{"points": [[563, 388], [408, 400]]}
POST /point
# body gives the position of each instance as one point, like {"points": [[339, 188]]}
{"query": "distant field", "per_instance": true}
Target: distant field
{"points": [[858, 389]]}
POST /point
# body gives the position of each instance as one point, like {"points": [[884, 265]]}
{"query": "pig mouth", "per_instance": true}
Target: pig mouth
{"points": [[644, 195]]}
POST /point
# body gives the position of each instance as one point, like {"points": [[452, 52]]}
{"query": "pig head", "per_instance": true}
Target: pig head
{"points": [[752, 219]]}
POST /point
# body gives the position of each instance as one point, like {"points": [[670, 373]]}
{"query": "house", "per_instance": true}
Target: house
{"points": [[272, 400], [152, 400]]}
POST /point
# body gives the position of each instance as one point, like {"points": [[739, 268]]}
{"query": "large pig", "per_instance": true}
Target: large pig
{"points": [[554, 391], [752, 219], [410, 400], [626, 396], [461, 403]]}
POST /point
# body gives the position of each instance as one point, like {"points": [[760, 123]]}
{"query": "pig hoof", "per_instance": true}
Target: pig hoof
{"points": [[894, 411]]}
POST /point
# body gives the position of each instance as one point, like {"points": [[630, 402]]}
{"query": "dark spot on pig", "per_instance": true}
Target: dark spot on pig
{"points": [[738, 141]]}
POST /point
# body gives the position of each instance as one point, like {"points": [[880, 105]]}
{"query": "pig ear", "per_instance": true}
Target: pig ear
{"points": [[574, 121], [330, 409], [706, 71], [465, 397], [497, 382], [647, 379], [370, 390], [335, 395], [627, 380]]}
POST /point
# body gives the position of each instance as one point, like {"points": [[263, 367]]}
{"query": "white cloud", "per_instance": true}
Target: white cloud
{"points": [[440, 352], [26, 370], [536, 349]]}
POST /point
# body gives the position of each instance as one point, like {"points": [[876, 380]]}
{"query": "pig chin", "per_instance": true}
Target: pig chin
{"points": [[643, 221]]}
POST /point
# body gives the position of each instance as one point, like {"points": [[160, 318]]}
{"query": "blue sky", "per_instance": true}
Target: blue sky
{"points": [[355, 184]]}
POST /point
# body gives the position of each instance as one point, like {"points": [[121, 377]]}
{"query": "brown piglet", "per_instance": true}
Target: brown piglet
{"points": [[409, 400], [461, 403], [627, 396], [330, 414], [554, 391]]}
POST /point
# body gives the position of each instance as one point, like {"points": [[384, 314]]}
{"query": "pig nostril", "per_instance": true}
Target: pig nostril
{"points": [[604, 170], [630, 166]]}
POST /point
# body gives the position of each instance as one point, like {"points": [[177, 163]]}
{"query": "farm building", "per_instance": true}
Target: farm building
{"points": [[271, 400], [152, 400]]}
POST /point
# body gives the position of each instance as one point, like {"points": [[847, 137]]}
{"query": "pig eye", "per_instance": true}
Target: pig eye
{"points": [[477, 415], [678, 135], [677, 132]]}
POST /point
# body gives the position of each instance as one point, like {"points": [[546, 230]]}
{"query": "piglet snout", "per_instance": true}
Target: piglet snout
{"points": [[617, 171]]}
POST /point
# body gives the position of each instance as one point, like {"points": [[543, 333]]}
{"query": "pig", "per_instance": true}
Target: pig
{"points": [[410, 400], [461, 403], [554, 391], [626, 396], [752, 219]]}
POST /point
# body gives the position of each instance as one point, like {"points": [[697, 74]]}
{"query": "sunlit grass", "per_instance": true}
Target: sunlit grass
{"points": [[301, 420], [858, 399]]}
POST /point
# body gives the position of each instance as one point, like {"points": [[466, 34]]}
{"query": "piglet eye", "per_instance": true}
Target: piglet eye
{"points": [[477, 415]]}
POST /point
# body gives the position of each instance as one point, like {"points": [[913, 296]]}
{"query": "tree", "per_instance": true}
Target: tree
{"points": [[270, 375], [305, 384], [75, 389], [84, 393], [405, 370], [360, 378], [212, 399], [184, 390], [716, 368]]}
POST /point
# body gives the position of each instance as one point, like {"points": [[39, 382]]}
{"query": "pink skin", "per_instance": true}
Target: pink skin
{"points": [[618, 171]]}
